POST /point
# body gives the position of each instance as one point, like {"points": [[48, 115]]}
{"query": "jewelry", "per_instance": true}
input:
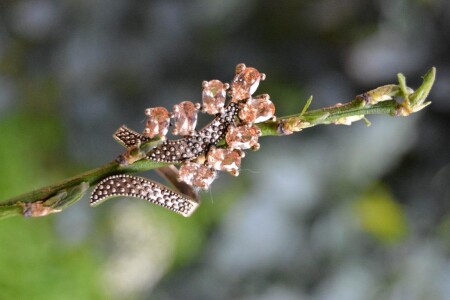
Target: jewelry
{"points": [[216, 147]]}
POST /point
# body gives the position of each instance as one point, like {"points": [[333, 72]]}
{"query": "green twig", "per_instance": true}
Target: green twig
{"points": [[393, 100]]}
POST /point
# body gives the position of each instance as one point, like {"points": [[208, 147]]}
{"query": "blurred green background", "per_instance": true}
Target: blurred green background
{"points": [[333, 212]]}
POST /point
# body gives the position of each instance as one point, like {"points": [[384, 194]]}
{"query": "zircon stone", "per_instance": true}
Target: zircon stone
{"points": [[245, 82], [243, 137], [228, 160], [158, 122], [213, 96], [257, 110], [185, 118], [197, 175], [187, 172], [204, 177]]}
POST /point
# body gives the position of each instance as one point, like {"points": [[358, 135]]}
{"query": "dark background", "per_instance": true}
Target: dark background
{"points": [[333, 212]]}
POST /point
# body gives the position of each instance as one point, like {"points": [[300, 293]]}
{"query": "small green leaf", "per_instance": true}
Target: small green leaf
{"points": [[319, 118], [420, 95], [308, 103], [402, 85], [72, 195]]}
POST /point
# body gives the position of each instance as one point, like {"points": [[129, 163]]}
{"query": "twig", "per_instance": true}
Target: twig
{"points": [[393, 100]]}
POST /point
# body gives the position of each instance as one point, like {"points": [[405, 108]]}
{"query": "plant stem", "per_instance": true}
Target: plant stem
{"points": [[330, 115], [14, 206], [381, 100]]}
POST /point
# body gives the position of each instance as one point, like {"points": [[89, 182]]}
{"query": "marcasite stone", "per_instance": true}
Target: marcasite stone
{"points": [[190, 147]]}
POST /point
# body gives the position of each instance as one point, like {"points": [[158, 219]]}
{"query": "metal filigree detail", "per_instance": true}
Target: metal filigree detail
{"points": [[197, 144], [129, 138], [138, 187]]}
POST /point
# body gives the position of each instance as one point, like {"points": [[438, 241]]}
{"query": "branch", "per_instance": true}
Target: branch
{"points": [[393, 100]]}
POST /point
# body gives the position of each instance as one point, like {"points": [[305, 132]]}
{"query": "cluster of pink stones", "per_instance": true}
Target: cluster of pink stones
{"points": [[242, 135]]}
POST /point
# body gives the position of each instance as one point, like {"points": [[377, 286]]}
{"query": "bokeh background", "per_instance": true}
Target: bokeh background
{"points": [[333, 212]]}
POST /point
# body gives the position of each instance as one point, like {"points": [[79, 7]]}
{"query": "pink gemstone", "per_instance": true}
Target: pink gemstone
{"points": [[245, 83], [187, 172], [204, 177], [196, 174], [228, 160], [213, 96], [185, 118], [257, 110], [158, 122], [243, 137]]}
